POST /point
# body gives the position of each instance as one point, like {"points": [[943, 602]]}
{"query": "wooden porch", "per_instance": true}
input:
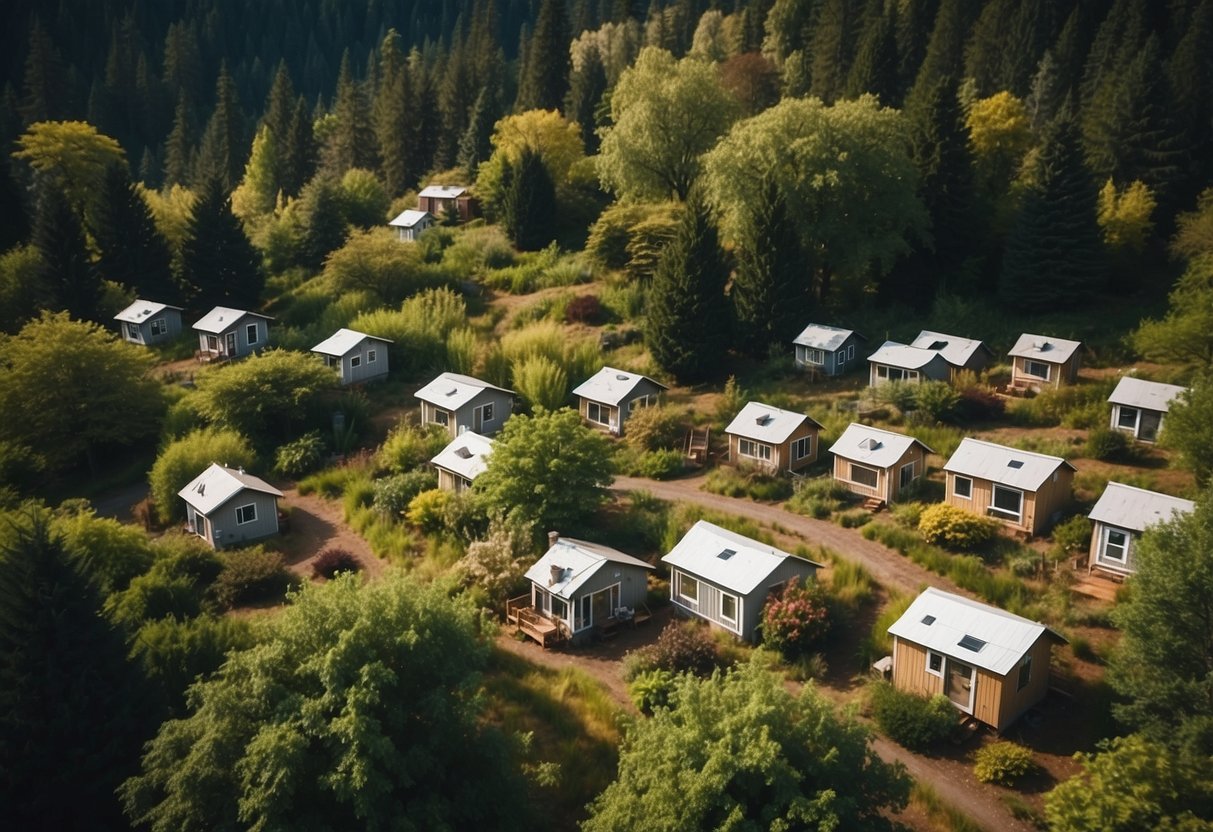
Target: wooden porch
{"points": [[533, 623]]}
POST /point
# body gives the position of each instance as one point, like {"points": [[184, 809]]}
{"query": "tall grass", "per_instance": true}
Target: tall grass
{"points": [[947, 816], [850, 582]]}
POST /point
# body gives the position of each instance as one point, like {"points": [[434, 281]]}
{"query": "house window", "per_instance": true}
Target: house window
{"points": [[802, 448], [814, 356], [754, 450], [212, 343], [371, 356], [688, 589], [1036, 369], [1127, 418], [356, 361], [864, 476], [599, 413], [1025, 673], [250, 334], [560, 609], [882, 371], [642, 401], [486, 412], [1116, 545], [907, 475], [934, 663], [441, 417], [132, 331], [962, 487], [246, 514], [159, 327], [581, 613], [851, 352], [1007, 502], [728, 608]]}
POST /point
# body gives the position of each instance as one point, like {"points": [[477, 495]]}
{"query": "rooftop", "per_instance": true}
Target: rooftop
{"points": [[901, 355], [344, 340], [955, 350], [1137, 509], [409, 218], [1044, 348], [222, 318], [467, 455], [1006, 466], [704, 552], [766, 423], [218, 484], [823, 337], [452, 390], [873, 446], [611, 386], [142, 310], [1149, 395], [577, 562]]}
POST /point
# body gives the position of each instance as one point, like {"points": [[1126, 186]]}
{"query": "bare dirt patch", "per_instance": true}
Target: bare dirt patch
{"points": [[316, 524]]}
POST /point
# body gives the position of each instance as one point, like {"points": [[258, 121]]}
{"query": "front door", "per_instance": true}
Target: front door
{"points": [[478, 419], [231, 344], [601, 607], [1147, 428], [960, 685]]}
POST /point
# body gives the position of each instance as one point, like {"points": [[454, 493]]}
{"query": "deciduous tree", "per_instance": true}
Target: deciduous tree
{"points": [[1189, 425], [185, 458]]}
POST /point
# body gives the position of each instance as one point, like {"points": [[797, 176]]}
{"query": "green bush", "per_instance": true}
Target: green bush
{"points": [[251, 576], [651, 690], [427, 510], [854, 519], [907, 514], [304, 455], [188, 457], [798, 620], [393, 494], [655, 428], [682, 647], [955, 528], [329, 483], [1107, 445], [752, 483], [409, 446], [659, 465], [916, 722], [900, 394], [936, 400], [1003, 763]]}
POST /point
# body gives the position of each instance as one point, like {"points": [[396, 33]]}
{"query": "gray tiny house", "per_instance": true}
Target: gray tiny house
{"points": [[356, 356], [828, 350], [147, 322], [225, 334], [607, 398], [227, 507], [459, 403]]}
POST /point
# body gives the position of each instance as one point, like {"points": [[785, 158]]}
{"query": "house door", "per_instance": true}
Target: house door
{"points": [[478, 419], [603, 603], [1147, 428], [960, 685], [231, 344]]}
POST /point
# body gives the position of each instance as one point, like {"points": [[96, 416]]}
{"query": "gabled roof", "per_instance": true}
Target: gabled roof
{"points": [[1044, 348], [443, 191], [1006, 466], [900, 355], [1137, 509], [873, 446], [577, 562], [222, 318], [1150, 395], [767, 424], [823, 337], [142, 310], [956, 351], [344, 340], [1003, 638], [452, 390], [466, 455], [217, 484], [611, 386], [750, 564], [409, 218]]}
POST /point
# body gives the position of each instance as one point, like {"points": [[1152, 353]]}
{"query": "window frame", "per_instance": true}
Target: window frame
{"points": [[1025, 673], [1121, 411], [688, 599], [931, 654], [902, 482], [956, 480], [1029, 363], [251, 334], [240, 509], [603, 411], [486, 412], [807, 442], [133, 333], [998, 510], [639, 401], [726, 596], [765, 453], [159, 326], [1106, 542], [355, 361], [372, 356], [855, 466], [440, 417], [814, 356]]}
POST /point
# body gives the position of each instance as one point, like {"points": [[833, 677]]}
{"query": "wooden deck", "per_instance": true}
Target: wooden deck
{"points": [[1096, 585], [533, 623]]}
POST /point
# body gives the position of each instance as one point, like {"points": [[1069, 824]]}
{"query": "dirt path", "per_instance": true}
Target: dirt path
{"points": [[889, 568], [316, 525]]}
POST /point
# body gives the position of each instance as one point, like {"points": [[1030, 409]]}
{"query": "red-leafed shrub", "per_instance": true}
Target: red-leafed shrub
{"points": [[583, 309], [331, 561], [797, 621]]}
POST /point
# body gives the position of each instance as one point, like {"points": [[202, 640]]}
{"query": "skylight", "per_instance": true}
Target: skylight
{"points": [[726, 554], [972, 643], [937, 345], [928, 620], [1015, 463]]}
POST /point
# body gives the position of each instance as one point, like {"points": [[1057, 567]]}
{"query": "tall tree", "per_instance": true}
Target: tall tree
{"points": [[588, 85], [832, 46], [1190, 71], [132, 250], [874, 69], [44, 91], [351, 141], [219, 266], [391, 114], [67, 270], [475, 146], [221, 151], [687, 321], [1189, 430], [545, 76], [914, 21], [945, 50], [298, 150], [1007, 41], [528, 203], [179, 147]]}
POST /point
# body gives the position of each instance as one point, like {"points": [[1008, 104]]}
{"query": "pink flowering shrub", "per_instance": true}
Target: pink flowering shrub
{"points": [[797, 621]]}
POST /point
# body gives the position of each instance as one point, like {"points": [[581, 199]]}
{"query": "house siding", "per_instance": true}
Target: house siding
{"points": [[1059, 374], [781, 454], [749, 611], [831, 366], [366, 371], [465, 417], [633, 584], [450, 481], [223, 530], [888, 482], [619, 415], [1135, 432], [1037, 508], [240, 328], [1016, 702], [1096, 560], [142, 333]]}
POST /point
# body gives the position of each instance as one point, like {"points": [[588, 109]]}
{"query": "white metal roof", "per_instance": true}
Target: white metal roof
{"points": [[873, 446], [217, 484], [409, 218], [1006, 466], [1150, 395], [344, 340], [1007, 637], [443, 191], [611, 386], [698, 553], [141, 310], [577, 562], [222, 318], [452, 390], [767, 424], [956, 351], [1137, 509], [1044, 348], [466, 455], [823, 337], [900, 355]]}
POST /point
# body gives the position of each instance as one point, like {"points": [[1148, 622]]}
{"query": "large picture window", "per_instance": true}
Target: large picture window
{"points": [[599, 413], [802, 447], [1127, 418], [688, 589], [753, 450], [1008, 502], [864, 476], [813, 356]]}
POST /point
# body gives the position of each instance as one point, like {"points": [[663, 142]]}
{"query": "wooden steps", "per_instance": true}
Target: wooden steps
{"points": [[873, 504]]}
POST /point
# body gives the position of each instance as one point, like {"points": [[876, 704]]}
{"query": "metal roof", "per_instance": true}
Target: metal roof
{"points": [[823, 337], [611, 386], [222, 318], [466, 455], [955, 350], [577, 562], [900, 355], [873, 446], [698, 554], [767, 424], [1006, 466], [344, 340], [452, 390], [142, 310], [410, 217], [443, 191], [1007, 638], [1044, 348], [1137, 509], [217, 484], [1150, 395]]}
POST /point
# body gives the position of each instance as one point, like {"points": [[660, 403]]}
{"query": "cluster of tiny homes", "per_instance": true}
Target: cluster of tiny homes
{"points": [[434, 202]]}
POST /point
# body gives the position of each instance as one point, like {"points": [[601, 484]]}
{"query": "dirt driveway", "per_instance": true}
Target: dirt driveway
{"points": [[316, 525]]}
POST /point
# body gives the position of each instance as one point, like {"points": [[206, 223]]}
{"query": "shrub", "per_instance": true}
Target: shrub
{"points": [[333, 560], [899, 394], [250, 576], [946, 525], [1071, 537], [753, 483], [393, 494], [936, 400], [907, 514], [818, 498], [186, 458], [979, 404], [854, 519], [583, 309], [1106, 444], [682, 647], [541, 381], [659, 465], [651, 690], [654, 428], [798, 620], [427, 510], [409, 446], [1003, 763], [304, 455], [916, 722]]}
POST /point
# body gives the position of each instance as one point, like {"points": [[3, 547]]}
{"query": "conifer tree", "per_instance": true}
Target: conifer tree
{"points": [[831, 48], [687, 323], [219, 266], [914, 21], [874, 69], [14, 218], [132, 251], [44, 93], [324, 225], [545, 79], [475, 146], [66, 268], [528, 201], [391, 114], [299, 150], [945, 50], [941, 153], [179, 148], [280, 103], [1048, 92], [1054, 252], [588, 84], [351, 143], [420, 145], [1122, 32], [1190, 72], [771, 289], [221, 151]]}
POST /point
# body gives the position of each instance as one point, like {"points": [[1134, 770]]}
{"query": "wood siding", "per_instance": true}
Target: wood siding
{"points": [[502, 406], [619, 415], [450, 481], [888, 482], [1059, 374], [1114, 567], [781, 455], [1037, 507]]}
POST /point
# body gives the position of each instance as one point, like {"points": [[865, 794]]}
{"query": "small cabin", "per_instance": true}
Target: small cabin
{"points": [[960, 353], [991, 664], [726, 578], [878, 464], [410, 223], [900, 362], [610, 396], [828, 350], [227, 507], [1119, 517], [461, 403], [1139, 406], [356, 356], [147, 322], [225, 334], [1023, 490], [1039, 362], [460, 462], [442, 201], [772, 439]]}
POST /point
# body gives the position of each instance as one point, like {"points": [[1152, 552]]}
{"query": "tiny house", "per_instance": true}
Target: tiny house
{"points": [[356, 356], [410, 223], [932, 356], [1039, 362], [772, 439], [460, 403], [1119, 517], [227, 507], [878, 464], [1139, 406], [1024, 491], [607, 398], [225, 334], [460, 462], [828, 350], [442, 200], [147, 322]]}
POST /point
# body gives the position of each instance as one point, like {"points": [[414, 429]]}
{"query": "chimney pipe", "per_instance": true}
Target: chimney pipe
{"points": [[557, 574], [553, 539]]}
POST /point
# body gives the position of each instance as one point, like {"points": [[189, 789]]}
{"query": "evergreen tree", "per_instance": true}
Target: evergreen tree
{"points": [[545, 79], [1190, 72], [298, 158], [219, 266], [875, 67], [44, 93], [14, 219], [178, 149], [831, 47], [945, 166], [280, 104], [1054, 252], [456, 96], [475, 146], [73, 715], [132, 251], [914, 20], [221, 151], [1048, 92], [324, 226], [771, 290], [66, 268], [945, 50], [421, 144], [586, 89], [391, 113], [351, 142], [528, 201], [687, 323], [1122, 32], [1007, 42]]}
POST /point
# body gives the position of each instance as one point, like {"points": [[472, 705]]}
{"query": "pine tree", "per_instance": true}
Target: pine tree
{"points": [[528, 202], [831, 47], [219, 266], [914, 20], [44, 93], [475, 146], [1048, 93], [586, 89], [14, 218], [945, 51], [1054, 254], [351, 143], [1190, 72], [299, 150], [324, 226], [280, 103], [945, 165], [546, 78], [391, 114], [875, 67], [221, 151], [420, 144], [1007, 41], [771, 292], [179, 148], [687, 321], [132, 251], [455, 99], [66, 268], [1122, 32]]}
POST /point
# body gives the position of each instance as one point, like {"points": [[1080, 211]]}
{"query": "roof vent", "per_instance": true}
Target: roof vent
{"points": [[764, 419], [452, 391], [726, 554], [937, 345], [928, 620], [1043, 346], [557, 575], [201, 488], [869, 444], [463, 453], [1015, 463], [972, 643], [620, 377]]}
